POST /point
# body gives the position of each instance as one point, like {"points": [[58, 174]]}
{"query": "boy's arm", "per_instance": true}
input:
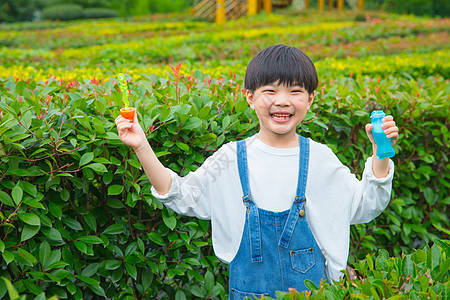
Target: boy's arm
{"points": [[157, 174], [380, 167], [131, 134]]}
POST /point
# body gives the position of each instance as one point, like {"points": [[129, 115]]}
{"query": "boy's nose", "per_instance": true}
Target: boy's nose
{"points": [[282, 100]]}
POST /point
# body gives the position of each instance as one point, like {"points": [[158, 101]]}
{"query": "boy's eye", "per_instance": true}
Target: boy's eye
{"points": [[269, 91]]}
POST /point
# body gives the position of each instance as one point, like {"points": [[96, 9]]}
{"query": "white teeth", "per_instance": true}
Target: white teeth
{"points": [[281, 116]]}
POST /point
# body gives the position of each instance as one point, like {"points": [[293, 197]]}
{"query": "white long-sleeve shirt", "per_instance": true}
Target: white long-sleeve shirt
{"points": [[335, 197]]}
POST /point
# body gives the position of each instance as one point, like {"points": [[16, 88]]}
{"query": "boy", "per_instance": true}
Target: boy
{"points": [[280, 205]]}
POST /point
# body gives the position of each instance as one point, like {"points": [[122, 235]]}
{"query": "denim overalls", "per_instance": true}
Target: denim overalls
{"points": [[277, 250]]}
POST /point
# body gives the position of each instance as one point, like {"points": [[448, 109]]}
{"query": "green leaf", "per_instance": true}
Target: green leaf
{"points": [[13, 295], [73, 224], [192, 261], [81, 246], [141, 245], [179, 295], [90, 221], [28, 232], [44, 252], [444, 245], [90, 239], [115, 189], [434, 257], [88, 280], [20, 87], [90, 270], [446, 231], [131, 270], [32, 287], [17, 194], [329, 295], [27, 255], [182, 146], [98, 290], [33, 203], [26, 120], [135, 163], [409, 267], [55, 256], [310, 285], [55, 209], [6, 199], [113, 264], [29, 188], [209, 281], [170, 222], [115, 203], [97, 167], [198, 292], [47, 90], [7, 256], [30, 218], [57, 265], [154, 237], [86, 158], [147, 278], [192, 123], [65, 195], [52, 233], [2, 246], [114, 229], [430, 197]]}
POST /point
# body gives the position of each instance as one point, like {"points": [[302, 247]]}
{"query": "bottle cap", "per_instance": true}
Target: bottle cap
{"points": [[377, 113]]}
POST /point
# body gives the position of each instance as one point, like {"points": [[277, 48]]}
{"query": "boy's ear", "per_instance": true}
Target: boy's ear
{"points": [[311, 99], [250, 99]]}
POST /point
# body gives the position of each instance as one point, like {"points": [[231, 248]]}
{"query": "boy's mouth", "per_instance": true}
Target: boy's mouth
{"points": [[281, 117]]}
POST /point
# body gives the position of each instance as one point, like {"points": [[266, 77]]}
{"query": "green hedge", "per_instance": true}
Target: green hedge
{"points": [[64, 12], [76, 213], [99, 12], [421, 7], [424, 274]]}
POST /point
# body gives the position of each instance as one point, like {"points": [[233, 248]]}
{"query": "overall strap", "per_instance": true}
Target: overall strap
{"points": [[297, 209], [252, 209]]}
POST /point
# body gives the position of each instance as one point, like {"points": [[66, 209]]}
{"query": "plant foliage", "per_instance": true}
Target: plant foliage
{"points": [[77, 219]]}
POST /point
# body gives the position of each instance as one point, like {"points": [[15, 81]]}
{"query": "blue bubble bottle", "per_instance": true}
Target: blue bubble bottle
{"points": [[384, 147]]}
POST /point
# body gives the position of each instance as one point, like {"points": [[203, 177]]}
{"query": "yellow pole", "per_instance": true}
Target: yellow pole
{"points": [[330, 4], [340, 4], [268, 6], [306, 4], [220, 12], [321, 4], [252, 7], [360, 4]]}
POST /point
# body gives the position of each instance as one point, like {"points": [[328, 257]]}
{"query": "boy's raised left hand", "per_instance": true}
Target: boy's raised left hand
{"points": [[390, 129]]}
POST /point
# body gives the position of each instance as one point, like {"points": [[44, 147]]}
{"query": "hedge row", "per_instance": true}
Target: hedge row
{"points": [[64, 12], [77, 216]]}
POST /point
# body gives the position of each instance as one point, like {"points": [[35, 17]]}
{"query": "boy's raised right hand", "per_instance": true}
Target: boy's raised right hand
{"points": [[130, 133]]}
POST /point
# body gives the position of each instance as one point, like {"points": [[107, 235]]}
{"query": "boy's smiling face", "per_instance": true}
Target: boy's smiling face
{"points": [[280, 109]]}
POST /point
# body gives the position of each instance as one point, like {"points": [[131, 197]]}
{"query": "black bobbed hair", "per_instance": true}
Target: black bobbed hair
{"points": [[282, 64]]}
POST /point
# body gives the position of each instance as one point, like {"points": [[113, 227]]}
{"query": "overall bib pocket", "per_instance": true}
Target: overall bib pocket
{"points": [[302, 260], [237, 294]]}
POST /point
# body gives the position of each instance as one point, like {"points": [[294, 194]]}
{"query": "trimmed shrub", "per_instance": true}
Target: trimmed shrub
{"points": [[424, 274], [98, 12], [168, 6], [62, 12], [77, 216], [416, 7]]}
